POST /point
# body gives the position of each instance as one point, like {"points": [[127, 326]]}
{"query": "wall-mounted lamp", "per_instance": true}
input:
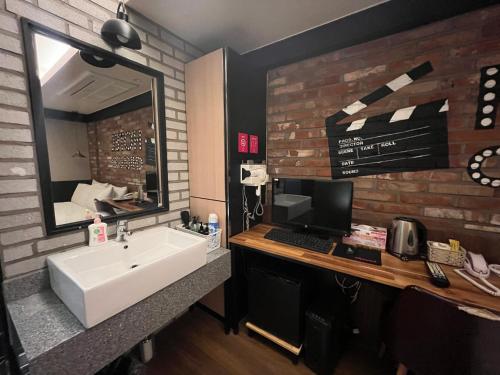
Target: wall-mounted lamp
{"points": [[118, 31]]}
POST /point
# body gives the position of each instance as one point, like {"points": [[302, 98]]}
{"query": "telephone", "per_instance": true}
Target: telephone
{"points": [[475, 265]]}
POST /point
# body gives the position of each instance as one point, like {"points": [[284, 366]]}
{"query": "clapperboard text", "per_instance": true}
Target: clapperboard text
{"points": [[409, 139]]}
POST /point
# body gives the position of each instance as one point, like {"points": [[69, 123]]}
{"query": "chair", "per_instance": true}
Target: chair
{"points": [[430, 335], [104, 208]]}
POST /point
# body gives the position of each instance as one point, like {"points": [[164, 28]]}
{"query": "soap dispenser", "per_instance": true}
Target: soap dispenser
{"points": [[98, 232]]}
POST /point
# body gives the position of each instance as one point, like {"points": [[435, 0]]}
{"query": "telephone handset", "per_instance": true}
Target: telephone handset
{"points": [[495, 268], [475, 265]]}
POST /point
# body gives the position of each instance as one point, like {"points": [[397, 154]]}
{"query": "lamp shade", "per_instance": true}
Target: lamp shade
{"points": [[119, 33]]}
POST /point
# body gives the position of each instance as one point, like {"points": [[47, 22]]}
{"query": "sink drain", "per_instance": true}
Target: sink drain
{"points": [[133, 266]]}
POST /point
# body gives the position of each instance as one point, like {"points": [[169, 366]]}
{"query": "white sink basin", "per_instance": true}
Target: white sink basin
{"points": [[96, 283]]}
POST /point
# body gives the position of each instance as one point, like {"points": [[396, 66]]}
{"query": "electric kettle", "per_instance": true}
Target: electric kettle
{"points": [[408, 238]]}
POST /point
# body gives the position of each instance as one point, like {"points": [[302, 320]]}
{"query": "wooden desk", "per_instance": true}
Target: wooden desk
{"points": [[124, 205], [393, 271]]}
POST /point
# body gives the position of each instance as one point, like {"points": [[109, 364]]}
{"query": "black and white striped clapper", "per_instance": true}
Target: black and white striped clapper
{"points": [[409, 139]]}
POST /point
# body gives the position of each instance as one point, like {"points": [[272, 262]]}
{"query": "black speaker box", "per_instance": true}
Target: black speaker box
{"points": [[325, 336]]}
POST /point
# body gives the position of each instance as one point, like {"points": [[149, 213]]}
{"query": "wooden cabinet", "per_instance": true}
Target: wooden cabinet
{"points": [[206, 128], [222, 92], [205, 104]]}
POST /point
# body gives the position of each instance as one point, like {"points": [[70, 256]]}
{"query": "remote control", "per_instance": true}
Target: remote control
{"points": [[438, 278]]}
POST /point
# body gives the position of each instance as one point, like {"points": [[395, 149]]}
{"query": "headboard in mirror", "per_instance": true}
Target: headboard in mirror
{"points": [[99, 122]]}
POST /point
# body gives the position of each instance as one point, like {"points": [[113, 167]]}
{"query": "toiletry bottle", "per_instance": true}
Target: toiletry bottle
{"points": [[88, 214], [213, 223], [98, 232]]}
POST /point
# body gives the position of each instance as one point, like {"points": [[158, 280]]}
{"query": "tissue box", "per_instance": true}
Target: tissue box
{"points": [[373, 238], [440, 252]]}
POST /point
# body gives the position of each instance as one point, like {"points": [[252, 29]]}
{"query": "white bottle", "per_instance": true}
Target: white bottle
{"points": [[213, 223], [98, 232]]}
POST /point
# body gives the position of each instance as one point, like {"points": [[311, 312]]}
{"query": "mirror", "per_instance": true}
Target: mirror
{"points": [[95, 114]]}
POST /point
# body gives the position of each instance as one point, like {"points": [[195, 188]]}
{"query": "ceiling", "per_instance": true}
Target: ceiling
{"points": [[244, 25], [70, 84]]}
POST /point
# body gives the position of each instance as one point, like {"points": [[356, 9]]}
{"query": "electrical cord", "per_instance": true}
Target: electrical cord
{"points": [[348, 289], [495, 268], [258, 210], [484, 285]]}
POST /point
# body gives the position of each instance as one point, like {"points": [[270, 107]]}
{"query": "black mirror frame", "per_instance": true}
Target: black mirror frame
{"points": [[29, 28]]}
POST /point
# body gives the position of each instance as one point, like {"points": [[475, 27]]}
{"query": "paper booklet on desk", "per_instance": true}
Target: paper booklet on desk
{"points": [[366, 236]]}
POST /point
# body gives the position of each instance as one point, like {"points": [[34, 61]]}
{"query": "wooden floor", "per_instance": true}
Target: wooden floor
{"points": [[196, 344]]}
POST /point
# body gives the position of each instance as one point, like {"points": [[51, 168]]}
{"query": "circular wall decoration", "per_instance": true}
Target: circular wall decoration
{"points": [[476, 162]]}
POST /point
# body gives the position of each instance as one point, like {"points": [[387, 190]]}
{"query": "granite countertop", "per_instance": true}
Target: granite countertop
{"points": [[42, 322], [55, 341]]}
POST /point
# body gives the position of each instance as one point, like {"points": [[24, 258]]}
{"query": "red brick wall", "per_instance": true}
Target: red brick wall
{"points": [[100, 143], [303, 94]]}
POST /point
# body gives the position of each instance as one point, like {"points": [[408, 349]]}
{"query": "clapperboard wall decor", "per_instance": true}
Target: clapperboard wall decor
{"points": [[409, 139], [487, 102]]}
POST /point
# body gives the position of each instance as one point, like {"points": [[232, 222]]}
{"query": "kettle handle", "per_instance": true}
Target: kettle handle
{"points": [[422, 236]]}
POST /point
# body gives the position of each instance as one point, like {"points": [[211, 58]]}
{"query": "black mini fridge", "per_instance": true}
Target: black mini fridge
{"points": [[276, 304]]}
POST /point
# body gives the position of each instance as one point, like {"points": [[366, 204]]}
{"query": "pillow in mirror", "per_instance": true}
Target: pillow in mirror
{"points": [[85, 194], [118, 191], [102, 184]]}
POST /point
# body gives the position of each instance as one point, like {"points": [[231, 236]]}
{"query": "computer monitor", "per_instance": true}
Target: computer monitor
{"points": [[321, 206]]}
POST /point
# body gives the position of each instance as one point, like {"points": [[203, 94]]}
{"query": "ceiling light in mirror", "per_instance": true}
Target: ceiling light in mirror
{"points": [[50, 54], [96, 61]]}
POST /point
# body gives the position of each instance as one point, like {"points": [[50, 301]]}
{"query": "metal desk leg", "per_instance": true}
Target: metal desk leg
{"points": [[231, 308], [228, 311]]}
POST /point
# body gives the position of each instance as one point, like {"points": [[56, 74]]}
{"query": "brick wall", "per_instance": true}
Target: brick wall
{"points": [[303, 94], [100, 144], [23, 243]]}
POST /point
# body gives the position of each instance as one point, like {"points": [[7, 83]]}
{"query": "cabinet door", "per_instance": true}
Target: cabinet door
{"points": [[206, 126]]}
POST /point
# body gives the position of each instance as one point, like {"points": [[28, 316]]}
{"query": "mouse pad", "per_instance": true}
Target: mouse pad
{"points": [[358, 253]]}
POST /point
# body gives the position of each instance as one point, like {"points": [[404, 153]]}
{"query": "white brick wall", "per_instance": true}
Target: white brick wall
{"points": [[23, 243]]}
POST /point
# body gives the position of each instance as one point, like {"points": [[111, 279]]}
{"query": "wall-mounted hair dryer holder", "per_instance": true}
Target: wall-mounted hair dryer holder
{"points": [[254, 175]]}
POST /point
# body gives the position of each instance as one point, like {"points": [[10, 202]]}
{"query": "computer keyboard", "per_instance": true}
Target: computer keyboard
{"points": [[301, 240]]}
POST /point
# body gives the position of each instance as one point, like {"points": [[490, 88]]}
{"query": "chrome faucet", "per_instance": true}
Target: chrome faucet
{"points": [[122, 231]]}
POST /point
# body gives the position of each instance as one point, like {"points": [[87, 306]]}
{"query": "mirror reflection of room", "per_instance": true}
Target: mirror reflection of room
{"points": [[99, 123]]}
